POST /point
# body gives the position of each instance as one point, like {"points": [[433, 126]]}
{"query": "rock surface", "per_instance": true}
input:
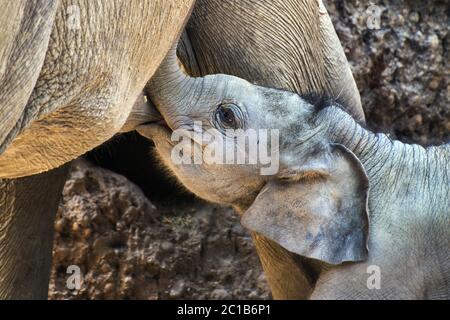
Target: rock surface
{"points": [[127, 248], [401, 68]]}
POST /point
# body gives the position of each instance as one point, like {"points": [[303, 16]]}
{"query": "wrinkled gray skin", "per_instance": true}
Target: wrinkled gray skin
{"points": [[70, 73], [65, 90], [343, 197]]}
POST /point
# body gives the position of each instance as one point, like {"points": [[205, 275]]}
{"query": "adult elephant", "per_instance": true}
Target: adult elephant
{"points": [[69, 75], [286, 44], [71, 70]]}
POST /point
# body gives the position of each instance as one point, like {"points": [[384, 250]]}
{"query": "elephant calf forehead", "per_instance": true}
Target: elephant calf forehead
{"points": [[283, 110]]}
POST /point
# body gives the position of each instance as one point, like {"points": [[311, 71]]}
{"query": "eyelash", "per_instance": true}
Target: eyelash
{"points": [[238, 113]]}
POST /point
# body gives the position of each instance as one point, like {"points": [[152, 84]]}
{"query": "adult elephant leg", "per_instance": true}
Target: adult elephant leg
{"points": [[27, 211], [277, 263], [286, 44]]}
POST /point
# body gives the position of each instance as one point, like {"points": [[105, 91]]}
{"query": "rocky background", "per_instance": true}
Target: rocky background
{"points": [[129, 248], [144, 237], [401, 68]]}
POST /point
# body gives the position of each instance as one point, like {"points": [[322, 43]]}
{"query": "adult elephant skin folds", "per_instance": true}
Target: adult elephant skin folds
{"points": [[87, 63]]}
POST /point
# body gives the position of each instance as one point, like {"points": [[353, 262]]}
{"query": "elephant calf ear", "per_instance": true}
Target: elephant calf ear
{"points": [[325, 217]]}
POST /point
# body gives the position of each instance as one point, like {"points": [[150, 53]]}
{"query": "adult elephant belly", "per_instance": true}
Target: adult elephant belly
{"points": [[287, 44], [99, 56]]}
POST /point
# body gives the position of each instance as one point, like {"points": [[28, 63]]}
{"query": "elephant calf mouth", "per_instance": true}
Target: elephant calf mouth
{"points": [[155, 129], [143, 113], [157, 121]]}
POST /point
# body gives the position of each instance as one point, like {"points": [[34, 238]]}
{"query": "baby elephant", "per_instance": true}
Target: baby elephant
{"points": [[370, 215]]}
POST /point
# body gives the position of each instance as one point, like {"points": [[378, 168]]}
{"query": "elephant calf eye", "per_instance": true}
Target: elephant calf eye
{"points": [[228, 116]]}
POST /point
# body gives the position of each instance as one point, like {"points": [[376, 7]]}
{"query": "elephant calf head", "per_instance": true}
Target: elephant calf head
{"points": [[295, 187], [331, 175]]}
